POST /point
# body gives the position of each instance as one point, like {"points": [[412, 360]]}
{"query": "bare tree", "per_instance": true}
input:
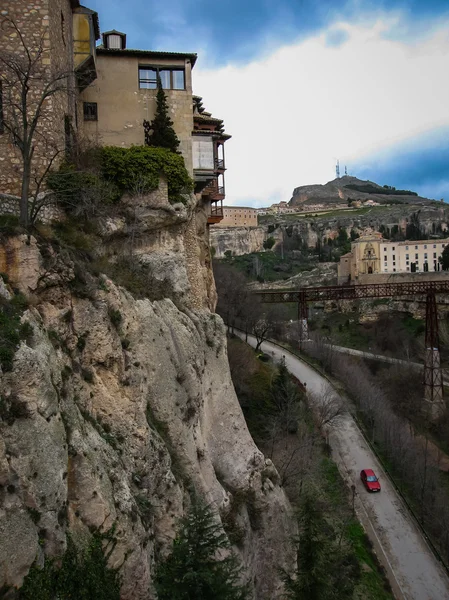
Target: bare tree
{"points": [[28, 85], [328, 408]]}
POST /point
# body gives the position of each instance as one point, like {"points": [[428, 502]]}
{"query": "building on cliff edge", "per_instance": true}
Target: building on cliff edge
{"points": [[110, 91], [371, 254], [238, 216]]}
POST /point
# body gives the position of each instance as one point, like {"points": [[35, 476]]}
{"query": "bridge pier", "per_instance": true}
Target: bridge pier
{"points": [[303, 313], [433, 376]]}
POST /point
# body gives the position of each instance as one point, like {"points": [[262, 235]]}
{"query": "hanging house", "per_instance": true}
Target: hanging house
{"points": [[208, 139]]}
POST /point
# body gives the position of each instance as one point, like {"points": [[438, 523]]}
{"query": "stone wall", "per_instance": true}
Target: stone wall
{"points": [[46, 22], [402, 277]]}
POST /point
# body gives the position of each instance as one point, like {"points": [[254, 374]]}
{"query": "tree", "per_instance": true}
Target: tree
{"points": [[444, 259], [194, 571], [327, 570], [160, 131], [28, 86]]}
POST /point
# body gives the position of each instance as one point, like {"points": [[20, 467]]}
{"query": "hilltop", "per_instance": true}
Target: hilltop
{"points": [[347, 188]]}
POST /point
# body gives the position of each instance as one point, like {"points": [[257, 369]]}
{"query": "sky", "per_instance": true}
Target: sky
{"points": [[301, 84]]}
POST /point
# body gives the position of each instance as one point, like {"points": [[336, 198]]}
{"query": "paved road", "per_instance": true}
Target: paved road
{"points": [[363, 354], [414, 572]]}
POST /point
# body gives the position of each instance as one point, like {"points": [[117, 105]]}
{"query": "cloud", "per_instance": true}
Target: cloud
{"points": [[293, 113], [419, 163]]}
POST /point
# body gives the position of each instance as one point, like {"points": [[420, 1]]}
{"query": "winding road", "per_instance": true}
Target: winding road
{"points": [[413, 570]]}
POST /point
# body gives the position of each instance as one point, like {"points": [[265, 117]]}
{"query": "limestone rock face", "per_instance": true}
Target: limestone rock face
{"points": [[241, 240], [115, 409]]}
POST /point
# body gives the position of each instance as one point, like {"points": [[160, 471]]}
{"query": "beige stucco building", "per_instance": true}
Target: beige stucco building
{"points": [[371, 254], [115, 105], [238, 216]]}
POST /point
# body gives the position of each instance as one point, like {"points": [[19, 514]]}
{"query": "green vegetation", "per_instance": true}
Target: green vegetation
{"points": [[269, 243], [194, 569], [335, 558], [444, 259], [111, 171], [80, 574], [12, 331], [141, 166], [267, 266], [386, 190], [160, 132]]}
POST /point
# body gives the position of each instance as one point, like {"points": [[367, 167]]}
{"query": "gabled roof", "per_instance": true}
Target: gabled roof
{"points": [[148, 54]]}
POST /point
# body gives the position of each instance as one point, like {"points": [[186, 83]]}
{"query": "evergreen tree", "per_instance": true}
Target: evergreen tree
{"points": [[444, 259], [160, 131], [193, 571], [327, 569]]}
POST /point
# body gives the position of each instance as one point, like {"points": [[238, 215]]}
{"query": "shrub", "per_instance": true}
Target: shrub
{"points": [[81, 192], [12, 331], [115, 316], [125, 166], [82, 574], [269, 243]]}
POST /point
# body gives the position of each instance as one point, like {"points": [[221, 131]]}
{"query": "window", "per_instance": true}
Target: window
{"points": [[407, 256], [90, 111], [407, 262], [393, 248], [425, 255], [425, 246], [416, 247], [385, 249], [434, 255], [416, 256], [394, 270], [434, 245], [394, 257], [406, 247], [394, 264], [171, 79]]}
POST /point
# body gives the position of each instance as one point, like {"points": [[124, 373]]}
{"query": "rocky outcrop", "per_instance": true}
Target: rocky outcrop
{"points": [[117, 407], [340, 190], [240, 240]]}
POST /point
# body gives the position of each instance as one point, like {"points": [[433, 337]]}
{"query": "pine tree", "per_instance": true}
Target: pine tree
{"points": [[160, 131], [193, 571]]}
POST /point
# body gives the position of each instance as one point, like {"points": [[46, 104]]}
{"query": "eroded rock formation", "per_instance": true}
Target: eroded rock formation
{"points": [[118, 406]]}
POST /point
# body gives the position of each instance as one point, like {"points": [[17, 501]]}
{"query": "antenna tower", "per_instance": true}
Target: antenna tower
{"points": [[337, 169]]}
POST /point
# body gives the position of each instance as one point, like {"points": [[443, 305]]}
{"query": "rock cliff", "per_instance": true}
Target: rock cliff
{"points": [[118, 405], [240, 240], [433, 220]]}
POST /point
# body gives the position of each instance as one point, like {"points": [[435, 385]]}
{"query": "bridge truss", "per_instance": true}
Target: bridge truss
{"points": [[433, 379]]}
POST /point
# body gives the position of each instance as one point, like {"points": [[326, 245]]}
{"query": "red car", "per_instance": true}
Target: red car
{"points": [[370, 480]]}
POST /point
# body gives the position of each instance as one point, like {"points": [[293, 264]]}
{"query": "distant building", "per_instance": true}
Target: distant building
{"points": [[282, 208], [239, 216], [372, 254]]}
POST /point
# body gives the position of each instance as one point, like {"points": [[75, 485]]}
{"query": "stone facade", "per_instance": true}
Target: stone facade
{"points": [[47, 22]]}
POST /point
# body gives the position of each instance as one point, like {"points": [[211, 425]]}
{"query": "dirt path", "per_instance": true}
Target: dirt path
{"points": [[414, 572]]}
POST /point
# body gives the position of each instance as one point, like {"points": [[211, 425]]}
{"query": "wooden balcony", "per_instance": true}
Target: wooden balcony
{"points": [[216, 212], [219, 164]]}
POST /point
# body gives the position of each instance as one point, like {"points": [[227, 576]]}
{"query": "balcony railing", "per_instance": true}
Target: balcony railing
{"points": [[216, 209], [219, 163]]}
